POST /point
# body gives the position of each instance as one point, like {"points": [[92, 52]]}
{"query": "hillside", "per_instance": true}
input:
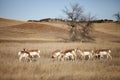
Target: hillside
{"points": [[8, 22], [32, 31], [48, 37], [48, 31], [109, 28], [105, 32]]}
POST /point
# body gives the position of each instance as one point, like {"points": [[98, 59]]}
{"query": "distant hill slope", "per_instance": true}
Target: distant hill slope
{"points": [[109, 28], [8, 22], [32, 30], [17, 30]]}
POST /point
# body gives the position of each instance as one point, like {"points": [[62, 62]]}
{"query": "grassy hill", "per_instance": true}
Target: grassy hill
{"points": [[31, 31], [53, 31], [109, 28], [9, 22], [49, 36]]}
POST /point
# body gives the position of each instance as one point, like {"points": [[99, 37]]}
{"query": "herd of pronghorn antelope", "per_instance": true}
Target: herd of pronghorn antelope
{"points": [[69, 54]]}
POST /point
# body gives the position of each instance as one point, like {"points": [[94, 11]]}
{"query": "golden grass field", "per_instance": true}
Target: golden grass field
{"points": [[48, 38]]}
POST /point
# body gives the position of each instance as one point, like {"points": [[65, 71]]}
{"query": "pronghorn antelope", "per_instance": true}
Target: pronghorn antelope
{"points": [[56, 54], [24, 54], [100, 53], [34, 53], [84, 53], [28, 54], [69, 54]]}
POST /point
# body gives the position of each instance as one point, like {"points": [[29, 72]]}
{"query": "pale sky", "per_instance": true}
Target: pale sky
{"points": [[39, 9]]}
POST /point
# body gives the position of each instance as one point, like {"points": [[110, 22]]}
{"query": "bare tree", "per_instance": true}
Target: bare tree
{"points": [[87, 28], [74, 18], [117, 16]]}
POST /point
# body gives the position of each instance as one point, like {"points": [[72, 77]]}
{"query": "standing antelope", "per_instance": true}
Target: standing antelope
{"points": [[84, 53], [69, 54], [100, 53]]}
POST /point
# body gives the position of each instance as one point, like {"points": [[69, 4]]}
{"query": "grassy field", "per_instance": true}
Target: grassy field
{"points": [[45, 69], [15, 38]]}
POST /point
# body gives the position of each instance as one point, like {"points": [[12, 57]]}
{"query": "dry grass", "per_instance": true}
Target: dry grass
{"points": [[38, 36], [109, 28], [32, 30], [45, 69], [8, 22]]}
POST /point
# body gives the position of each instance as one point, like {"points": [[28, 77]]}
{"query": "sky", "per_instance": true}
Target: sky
{"points": [[40, 9]]}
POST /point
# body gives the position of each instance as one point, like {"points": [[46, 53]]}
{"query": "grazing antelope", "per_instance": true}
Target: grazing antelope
{"points": [[84, 53], [69, 54], [24, 54], [56, 54], [28, 54], [100, 53], [34, 53]]}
